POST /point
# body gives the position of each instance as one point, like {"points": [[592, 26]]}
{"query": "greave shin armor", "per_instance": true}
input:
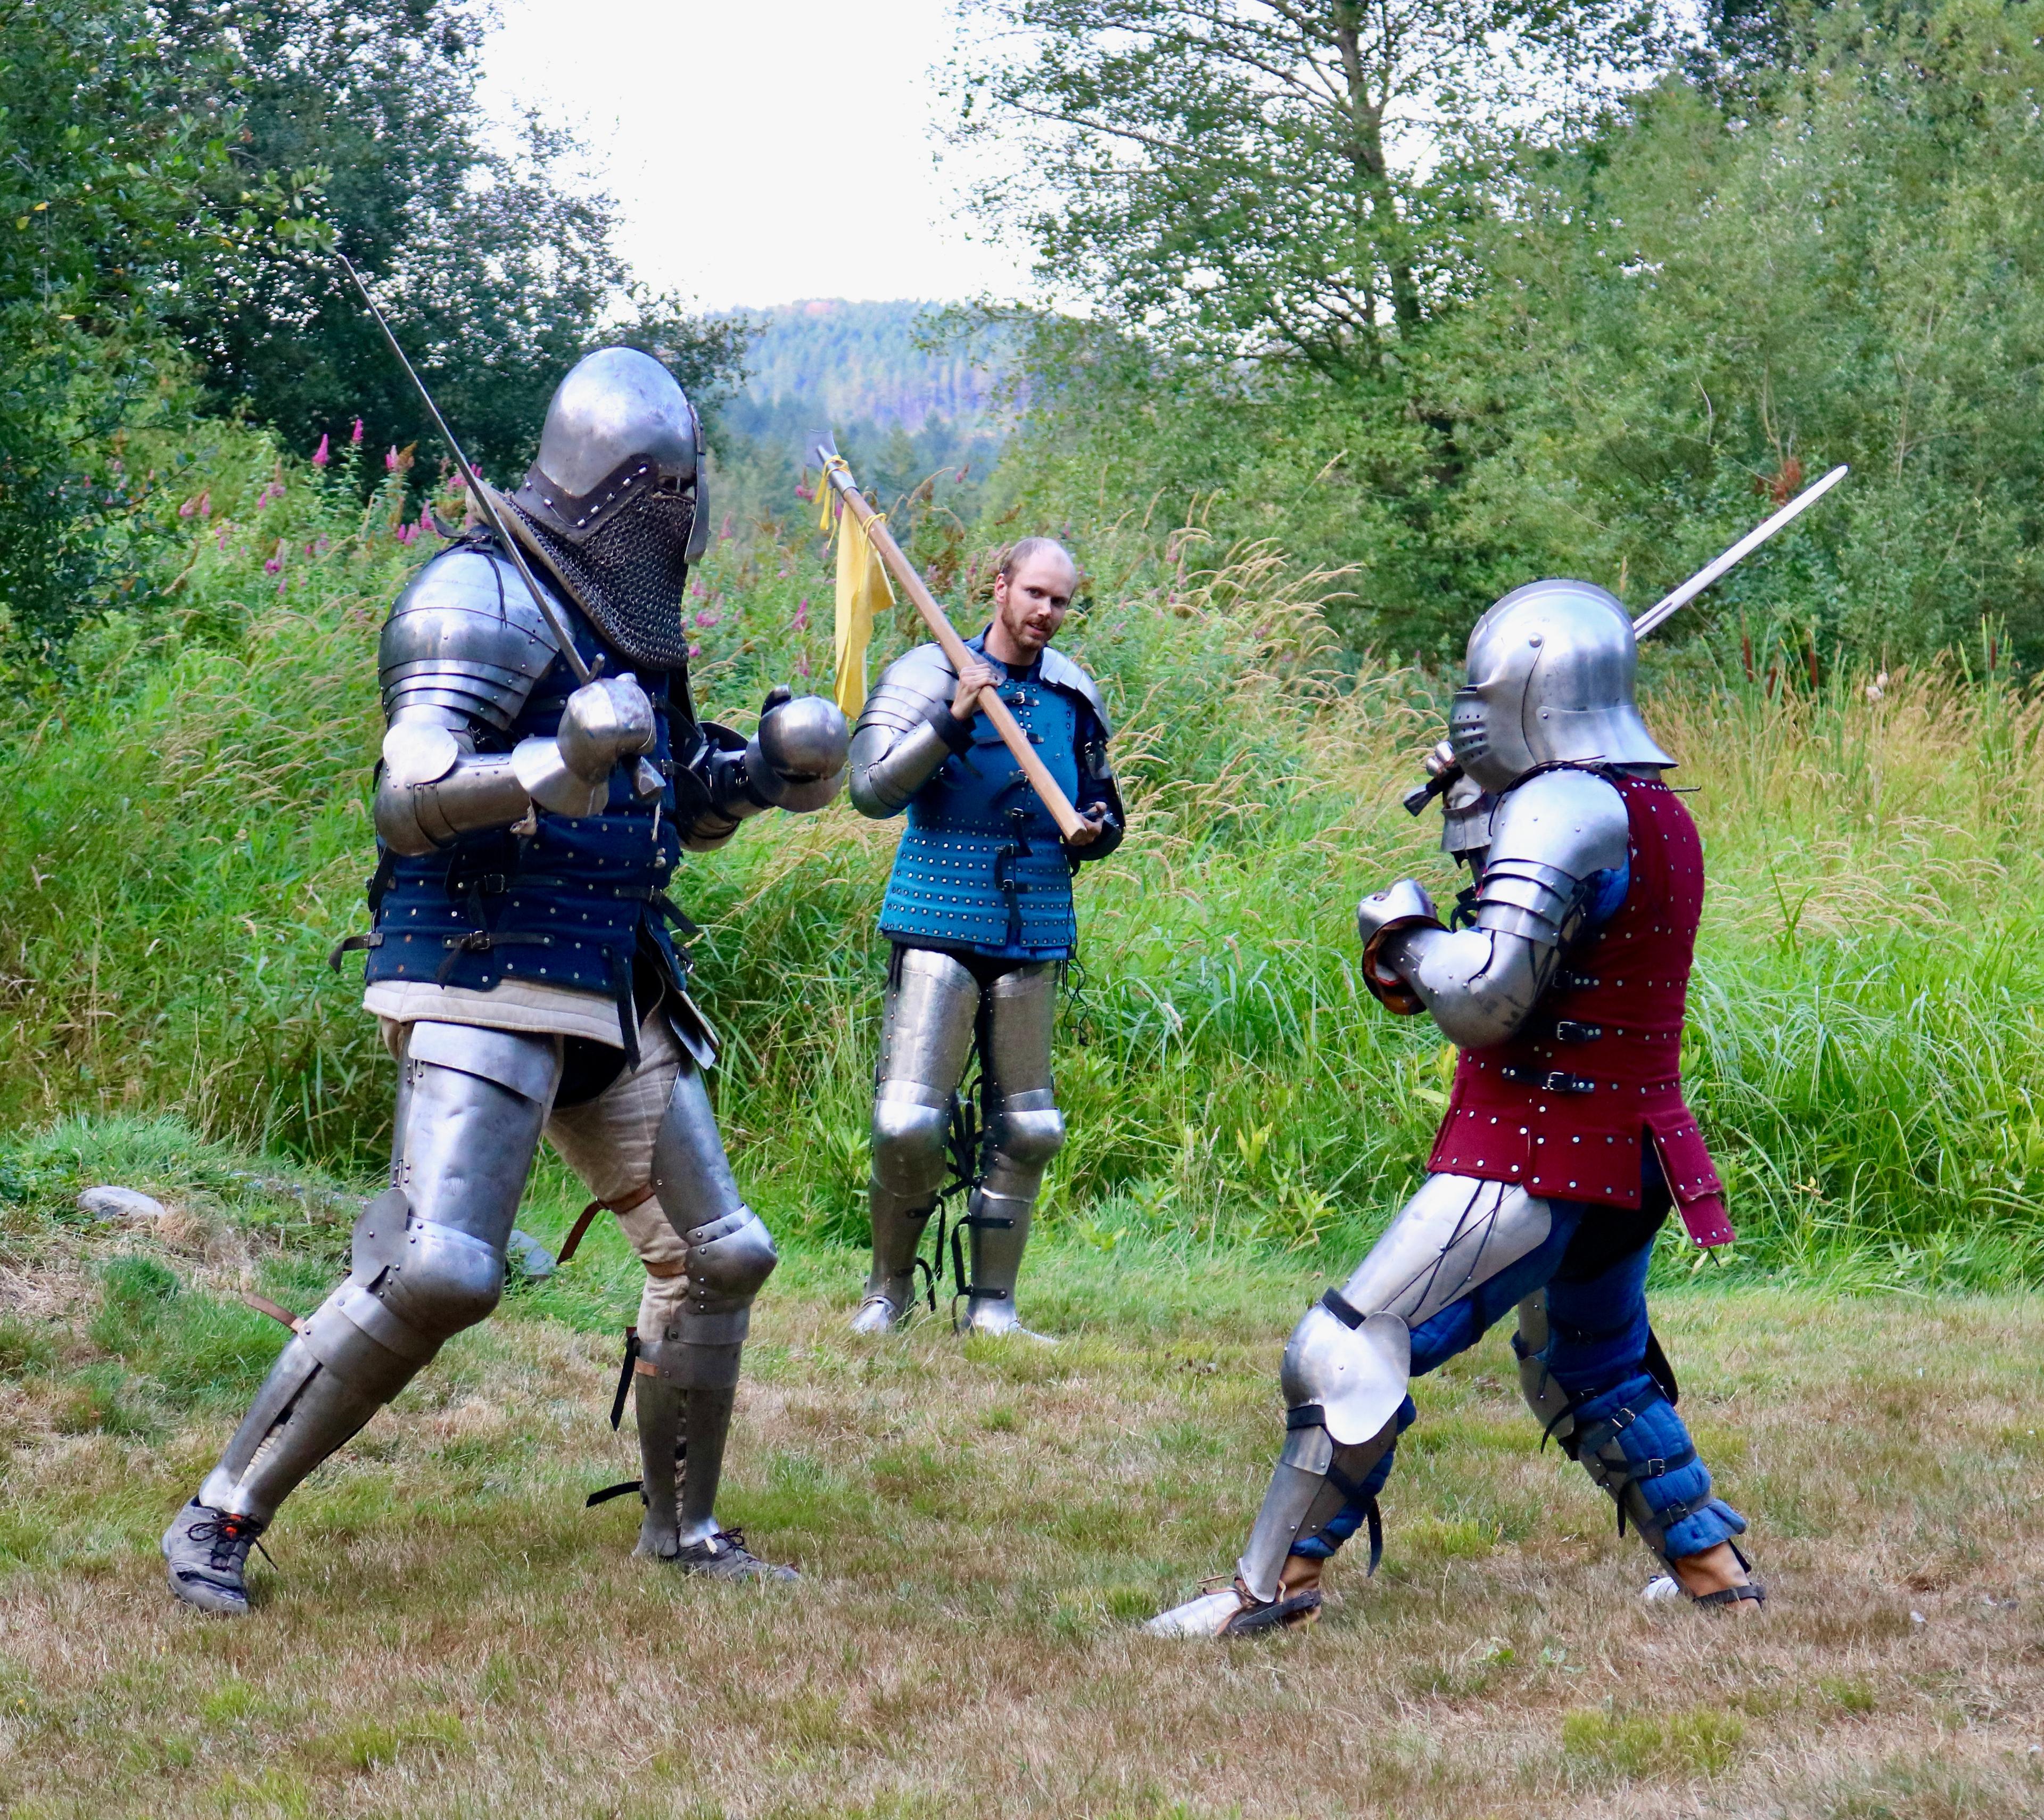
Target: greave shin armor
{"points": [[696, 1356], [933, 1001], [1024, 1131], [428, 1258]]}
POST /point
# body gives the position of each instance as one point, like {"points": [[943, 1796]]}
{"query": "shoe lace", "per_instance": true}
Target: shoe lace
{"points": [[231, 1538]]}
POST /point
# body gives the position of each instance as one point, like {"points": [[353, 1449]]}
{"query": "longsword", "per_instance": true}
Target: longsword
{"points": [[1665, 608], [482, 496]]}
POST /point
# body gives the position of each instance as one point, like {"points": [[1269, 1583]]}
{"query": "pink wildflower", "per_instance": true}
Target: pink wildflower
{"points": [[706, 619], [802, 664], [223, 537], [803, 493], [356, 439], [695, 650], [802, 615], [271, 566], [320, 457], [724, 533], [390, 459]]}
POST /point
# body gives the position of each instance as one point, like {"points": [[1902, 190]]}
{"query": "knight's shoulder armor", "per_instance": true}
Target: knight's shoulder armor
{"points": [[1061, 673], [466, 637], [1571, 819], [911, 688]]}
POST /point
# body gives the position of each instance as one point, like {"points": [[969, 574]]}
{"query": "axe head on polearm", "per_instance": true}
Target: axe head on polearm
{"points": [[1445, 773]]}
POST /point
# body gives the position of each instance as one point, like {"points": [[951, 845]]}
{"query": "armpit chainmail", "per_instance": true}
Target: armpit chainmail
{"points": [[630, 576]]}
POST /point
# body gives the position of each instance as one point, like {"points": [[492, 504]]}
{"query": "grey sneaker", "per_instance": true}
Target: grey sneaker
{"points": [[206, 1552], [725, 1557]]}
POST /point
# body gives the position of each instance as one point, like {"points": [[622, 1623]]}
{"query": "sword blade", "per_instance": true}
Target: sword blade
{"points": [[477, 490], [1664, 610]]}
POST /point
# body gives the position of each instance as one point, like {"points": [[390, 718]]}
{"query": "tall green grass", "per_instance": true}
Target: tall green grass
{"points": [[184, 835]]}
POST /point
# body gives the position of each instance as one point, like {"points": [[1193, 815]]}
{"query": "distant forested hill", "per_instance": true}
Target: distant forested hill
{"points": [[852, 362], [902, 413]]}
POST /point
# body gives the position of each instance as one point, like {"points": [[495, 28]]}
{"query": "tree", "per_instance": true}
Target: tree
{"points": [[497, 270], [1277, 178], [106, 209], [1709, 302]]}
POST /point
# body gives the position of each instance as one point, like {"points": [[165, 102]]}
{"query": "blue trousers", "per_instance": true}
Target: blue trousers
{"points": [[1593, 1265]]}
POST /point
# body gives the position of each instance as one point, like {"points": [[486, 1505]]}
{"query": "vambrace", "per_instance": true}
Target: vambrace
{"points": [[717, 790], [1480, 985], [1558, 856], [795, 761], [433, 787]]}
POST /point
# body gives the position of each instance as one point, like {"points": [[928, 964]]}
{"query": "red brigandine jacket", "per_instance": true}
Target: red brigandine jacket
{"points": [[1564, 1106]]}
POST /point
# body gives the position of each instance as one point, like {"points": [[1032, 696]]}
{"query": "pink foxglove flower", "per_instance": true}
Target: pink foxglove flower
{"points": [[356, 438], [390, 459], [320, 456], [802, 615]]}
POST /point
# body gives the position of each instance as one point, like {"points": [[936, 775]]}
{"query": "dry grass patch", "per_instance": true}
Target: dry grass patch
{"points": [[980, 1528]]}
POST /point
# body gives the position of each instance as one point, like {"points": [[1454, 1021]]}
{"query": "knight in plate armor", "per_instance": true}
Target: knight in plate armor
{"points": [[1566, 1139], [523, 971], [979, 910]]}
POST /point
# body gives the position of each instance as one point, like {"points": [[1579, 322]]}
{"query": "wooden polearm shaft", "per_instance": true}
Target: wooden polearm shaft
{"points": [[1069, 820]]}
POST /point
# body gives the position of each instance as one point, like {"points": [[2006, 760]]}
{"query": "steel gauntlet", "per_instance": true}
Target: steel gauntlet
{"points": [[796, 762]]}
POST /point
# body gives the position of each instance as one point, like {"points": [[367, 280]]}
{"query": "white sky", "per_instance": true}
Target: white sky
{"points": [[708, 120]]}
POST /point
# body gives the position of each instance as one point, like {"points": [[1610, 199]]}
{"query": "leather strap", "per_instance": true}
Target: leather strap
{"points": [[623, 1204]]}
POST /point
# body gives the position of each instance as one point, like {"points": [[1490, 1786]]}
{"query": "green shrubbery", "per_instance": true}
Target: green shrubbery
{"points": [[185, 836]]}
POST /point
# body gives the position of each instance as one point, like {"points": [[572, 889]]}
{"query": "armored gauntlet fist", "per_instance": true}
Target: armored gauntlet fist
{"points": [[797, 760], [604, 721], [1405, 905]]}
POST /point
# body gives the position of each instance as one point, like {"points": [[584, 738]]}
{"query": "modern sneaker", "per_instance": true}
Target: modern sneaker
{"points": [[725, 1557], [206, 1552]]}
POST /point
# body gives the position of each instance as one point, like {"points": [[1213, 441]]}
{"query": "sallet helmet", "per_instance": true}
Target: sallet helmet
{"points": [[615, 497], [1550, 680]]}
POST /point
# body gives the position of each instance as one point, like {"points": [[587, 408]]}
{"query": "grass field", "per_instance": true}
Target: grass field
{"points": [[980, 1529]]}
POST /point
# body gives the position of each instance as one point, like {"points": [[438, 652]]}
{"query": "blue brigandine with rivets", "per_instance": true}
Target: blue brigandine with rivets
{"points": [[563, 905], [982, 865]]}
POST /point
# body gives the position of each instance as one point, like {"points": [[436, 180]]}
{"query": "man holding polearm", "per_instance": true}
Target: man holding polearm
{"points": [[979, 910]]}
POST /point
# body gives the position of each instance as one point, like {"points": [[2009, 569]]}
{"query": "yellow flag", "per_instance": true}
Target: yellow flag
{"points": [[861, 586]]}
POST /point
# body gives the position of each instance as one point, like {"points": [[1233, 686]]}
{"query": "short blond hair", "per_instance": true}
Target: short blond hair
{"points": [[1028, 549]]}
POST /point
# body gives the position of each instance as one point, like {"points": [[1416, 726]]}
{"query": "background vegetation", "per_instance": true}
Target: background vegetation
{"points": [[1592, 316]]}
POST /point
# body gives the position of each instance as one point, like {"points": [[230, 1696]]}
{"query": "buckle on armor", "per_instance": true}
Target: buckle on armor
{"points": [[1553, 1082], [1567, 1029]]}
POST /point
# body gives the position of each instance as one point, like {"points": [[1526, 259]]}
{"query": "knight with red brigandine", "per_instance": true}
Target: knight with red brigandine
{"points": [[1566, 1141]]}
